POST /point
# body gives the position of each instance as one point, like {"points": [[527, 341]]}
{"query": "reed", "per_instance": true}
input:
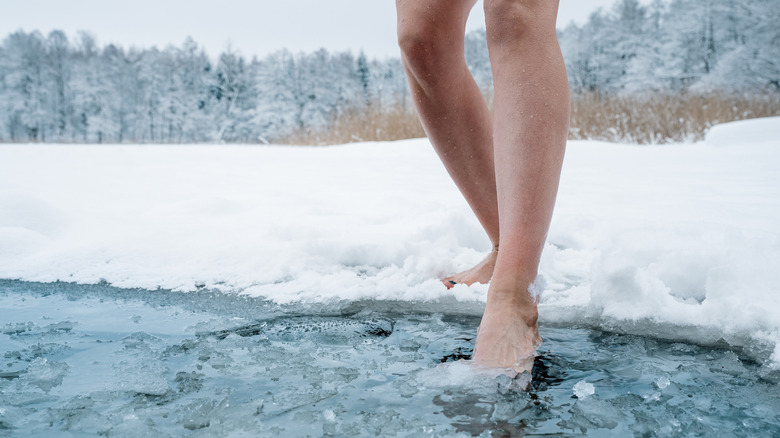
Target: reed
{"points": [[363, 124], [637, 118], [662, 118]]}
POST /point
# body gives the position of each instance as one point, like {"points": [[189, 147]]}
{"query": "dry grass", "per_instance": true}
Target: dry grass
{"points": [[662, 118], [642, 119], [365, 124]]}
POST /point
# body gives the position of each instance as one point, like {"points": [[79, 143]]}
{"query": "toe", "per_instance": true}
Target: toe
{"points": [[448, 283]]}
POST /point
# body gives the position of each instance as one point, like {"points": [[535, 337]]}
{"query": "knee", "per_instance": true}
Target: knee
{"points": [[509, 21], [425, 49]]}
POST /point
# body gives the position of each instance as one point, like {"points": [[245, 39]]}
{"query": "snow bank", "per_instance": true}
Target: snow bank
{"points": [[678, 241], [766, 130]]}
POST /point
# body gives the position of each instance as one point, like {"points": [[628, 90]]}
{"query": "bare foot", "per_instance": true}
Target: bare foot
{"points": [[480, 273], [508, 334]]}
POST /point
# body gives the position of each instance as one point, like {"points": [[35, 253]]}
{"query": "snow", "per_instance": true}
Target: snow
{"points": [[753, 131], [676, 241]]}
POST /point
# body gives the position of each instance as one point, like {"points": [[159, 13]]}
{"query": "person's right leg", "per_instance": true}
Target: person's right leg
{"points": [[531, 125], [452, 109]]}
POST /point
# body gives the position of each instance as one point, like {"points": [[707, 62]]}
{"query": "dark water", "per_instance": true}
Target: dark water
{"points": [[95, 360]]}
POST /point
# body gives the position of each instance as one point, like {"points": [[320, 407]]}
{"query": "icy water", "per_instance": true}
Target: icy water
{"points": [[95, 360]]}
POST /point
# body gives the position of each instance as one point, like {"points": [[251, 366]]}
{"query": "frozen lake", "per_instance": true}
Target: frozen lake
{"points": [[86, 360], [243, 290]]}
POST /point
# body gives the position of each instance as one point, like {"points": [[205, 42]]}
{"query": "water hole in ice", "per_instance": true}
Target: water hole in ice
{"points": [[89, 360]]}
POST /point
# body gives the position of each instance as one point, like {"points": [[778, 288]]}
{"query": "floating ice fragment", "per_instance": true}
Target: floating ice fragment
{"points": [[329, 415], [328, 330], [46, 374], [452, 374], [198, 414], [15, 329], [409, 345], [62, 326], [513, 383], [584, 389], [406, 388], [662, 382]]}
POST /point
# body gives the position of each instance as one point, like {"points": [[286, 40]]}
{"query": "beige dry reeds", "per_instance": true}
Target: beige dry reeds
{"points": [[364, 124], [662, 118], [641, 119]]}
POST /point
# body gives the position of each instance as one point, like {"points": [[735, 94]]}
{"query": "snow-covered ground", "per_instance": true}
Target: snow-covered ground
{"points": [[676, 241]]}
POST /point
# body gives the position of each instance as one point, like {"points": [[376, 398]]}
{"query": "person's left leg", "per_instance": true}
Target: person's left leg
{"points": [[451, 109], [531, 116]]}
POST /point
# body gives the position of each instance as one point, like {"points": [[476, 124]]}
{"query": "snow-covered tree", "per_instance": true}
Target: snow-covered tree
{"points": [[56, 89]]}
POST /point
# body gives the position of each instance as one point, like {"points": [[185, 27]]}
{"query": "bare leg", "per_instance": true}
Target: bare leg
{"points": [[451, 108], [530, 129]]}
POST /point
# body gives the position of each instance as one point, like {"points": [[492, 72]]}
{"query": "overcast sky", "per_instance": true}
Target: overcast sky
{"points": [[255, 27]]}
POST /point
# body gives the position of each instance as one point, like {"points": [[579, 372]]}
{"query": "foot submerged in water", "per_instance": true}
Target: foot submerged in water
{"points": [[481, 273], [508, 335]]}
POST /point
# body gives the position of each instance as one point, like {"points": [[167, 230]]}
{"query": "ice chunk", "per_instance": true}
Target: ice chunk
{"points": [[18, 328], [409, 345], [329, 415], [327, 330], [584, 389], [406, 388], [46, 374], [197, 414], [451, 374], [599, 413]]}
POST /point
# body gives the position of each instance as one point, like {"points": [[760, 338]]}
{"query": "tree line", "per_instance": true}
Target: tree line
{"points": [[677, 45], [56, 89]]}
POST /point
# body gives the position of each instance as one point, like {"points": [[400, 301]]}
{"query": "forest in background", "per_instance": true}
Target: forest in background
{"points": [[661, 72]]}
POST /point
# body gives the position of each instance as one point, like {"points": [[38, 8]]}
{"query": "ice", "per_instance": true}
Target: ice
{"points": [[328, 415], [199, 413], [18, 328], [84, 367], [590, 412], [319, 329], [583, 389], [45, 374]]}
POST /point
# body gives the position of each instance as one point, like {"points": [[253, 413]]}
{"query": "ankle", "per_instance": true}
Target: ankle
{"points": [[518, 299], [513, 292], [504, 284]]}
